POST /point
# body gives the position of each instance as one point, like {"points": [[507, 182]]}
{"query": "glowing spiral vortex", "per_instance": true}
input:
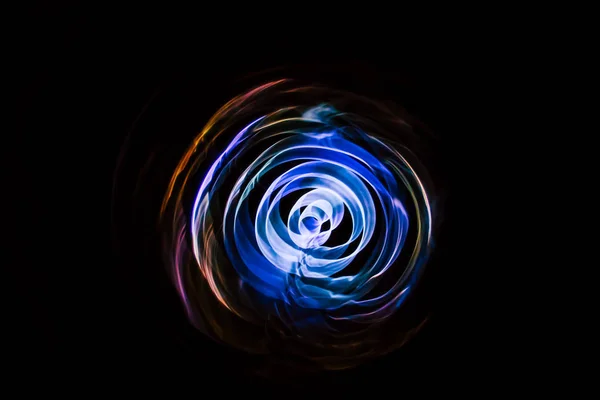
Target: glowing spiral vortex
{"points": [[312, 223]]}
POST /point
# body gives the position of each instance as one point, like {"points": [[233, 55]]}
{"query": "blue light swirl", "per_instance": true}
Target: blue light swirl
{"points": [[312, 221]]}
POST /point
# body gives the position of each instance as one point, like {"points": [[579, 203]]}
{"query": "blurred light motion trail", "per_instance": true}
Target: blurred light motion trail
{"points": [[298, 223]]}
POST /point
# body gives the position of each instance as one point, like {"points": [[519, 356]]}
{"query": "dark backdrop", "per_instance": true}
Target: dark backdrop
{"points": [[82, 86]]}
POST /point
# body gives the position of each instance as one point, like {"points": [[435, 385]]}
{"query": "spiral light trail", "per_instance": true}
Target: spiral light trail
{"points": [[311, 227]]}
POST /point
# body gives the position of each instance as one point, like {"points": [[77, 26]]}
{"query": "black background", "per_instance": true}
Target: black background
{"points": [[83, 82]]}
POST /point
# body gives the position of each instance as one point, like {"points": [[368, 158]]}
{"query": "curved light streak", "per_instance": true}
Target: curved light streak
{"points": [[267, 215]]}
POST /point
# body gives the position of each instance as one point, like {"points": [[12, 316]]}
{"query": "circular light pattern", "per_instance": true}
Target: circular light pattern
{"points": [[299, 223]]}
